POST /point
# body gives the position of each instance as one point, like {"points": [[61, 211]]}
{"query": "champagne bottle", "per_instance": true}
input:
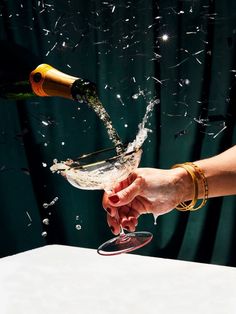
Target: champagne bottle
{"points": [[48, 81], [16, 65]]}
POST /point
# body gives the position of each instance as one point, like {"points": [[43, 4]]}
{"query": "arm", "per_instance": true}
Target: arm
{"points": [[158, 191], [220, 172]]}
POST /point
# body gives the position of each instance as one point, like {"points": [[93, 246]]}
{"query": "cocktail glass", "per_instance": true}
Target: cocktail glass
{"points": [[96, 171]]}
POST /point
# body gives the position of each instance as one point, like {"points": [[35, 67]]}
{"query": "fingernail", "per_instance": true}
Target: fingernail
{"points": [[108, 210], [114, 198]]}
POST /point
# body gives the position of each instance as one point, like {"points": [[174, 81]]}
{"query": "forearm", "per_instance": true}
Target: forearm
{"points": [[220, 172]]}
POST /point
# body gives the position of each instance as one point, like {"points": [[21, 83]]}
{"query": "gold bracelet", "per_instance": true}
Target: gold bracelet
{"points": [[197, 175], [183, 206], [202, 178]]}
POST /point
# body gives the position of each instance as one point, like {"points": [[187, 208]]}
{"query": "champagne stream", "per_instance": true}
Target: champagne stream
{"points": [[142, 134], [98, 108]]}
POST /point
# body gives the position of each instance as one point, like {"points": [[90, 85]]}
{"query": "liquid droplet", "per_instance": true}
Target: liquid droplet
{"points": [[44, 234], [46, 221], [78, 227], [155, 216]]}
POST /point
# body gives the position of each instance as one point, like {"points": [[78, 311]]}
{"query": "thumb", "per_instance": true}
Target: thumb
{"points": [[126, 195]]}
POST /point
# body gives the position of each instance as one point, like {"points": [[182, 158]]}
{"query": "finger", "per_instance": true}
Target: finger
{"points": [[123, 184], [133, 213], [127, 194], [142, 205], [113, 224], [129, 223], [123, 211], [112, 211], [128, 217], [126, 212], [125, 216]]}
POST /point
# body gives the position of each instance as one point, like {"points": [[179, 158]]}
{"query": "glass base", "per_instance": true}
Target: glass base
{"points": [[125, 243]]}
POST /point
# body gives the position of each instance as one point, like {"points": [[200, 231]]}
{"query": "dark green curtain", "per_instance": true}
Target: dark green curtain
{"points": [[181, 52]]}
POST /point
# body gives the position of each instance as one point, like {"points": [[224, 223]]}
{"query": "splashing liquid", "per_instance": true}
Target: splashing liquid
{"points": [[142, 134], [98, 108], [143, 130], [105, 174]]}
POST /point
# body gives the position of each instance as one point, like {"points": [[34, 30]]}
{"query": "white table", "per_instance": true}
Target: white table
{"points": [[66, 280]]}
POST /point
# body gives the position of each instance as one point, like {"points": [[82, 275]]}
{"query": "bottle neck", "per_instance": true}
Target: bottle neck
{"points": [[83, 91]]}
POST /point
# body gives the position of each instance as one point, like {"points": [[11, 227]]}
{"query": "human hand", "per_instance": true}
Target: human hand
{"points": [[147, 190]]}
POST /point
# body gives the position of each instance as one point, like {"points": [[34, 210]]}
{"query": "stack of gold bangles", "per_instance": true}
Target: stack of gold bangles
{"points": [[197, 177]]}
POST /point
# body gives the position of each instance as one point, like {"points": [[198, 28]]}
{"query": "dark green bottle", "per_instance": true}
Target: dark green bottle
{"points": [[23, 81], [48, 81], [16, 62], [16, 90]]}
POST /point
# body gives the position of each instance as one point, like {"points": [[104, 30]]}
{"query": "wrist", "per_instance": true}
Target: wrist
{"points": [[183, 183], [198, 180]]}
